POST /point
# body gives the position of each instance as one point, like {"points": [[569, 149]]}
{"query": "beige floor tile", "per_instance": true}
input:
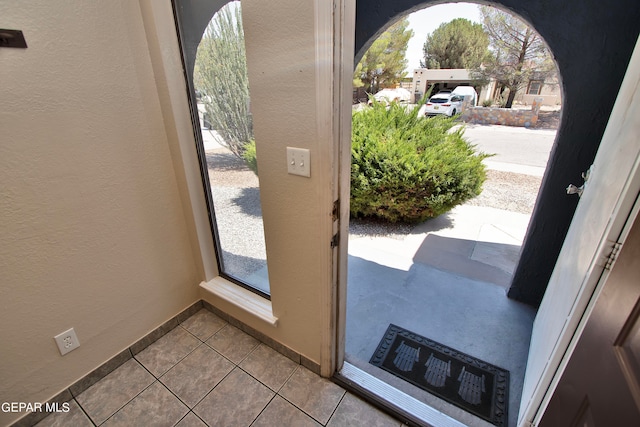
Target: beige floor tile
{"points": [[355, 411], [232, 343], [316, 396], [197, 374], [111, 393], [281, 413], [236, 401], [269, 367], [75, 417], [155, 406], [191, 420], [160, 356], [194, 375], [203, 324]]}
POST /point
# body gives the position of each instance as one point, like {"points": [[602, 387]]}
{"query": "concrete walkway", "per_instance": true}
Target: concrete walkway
{"points": [[446, 281]]}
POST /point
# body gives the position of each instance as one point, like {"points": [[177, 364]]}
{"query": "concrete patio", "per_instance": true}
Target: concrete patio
{"points": [[447, 281]]}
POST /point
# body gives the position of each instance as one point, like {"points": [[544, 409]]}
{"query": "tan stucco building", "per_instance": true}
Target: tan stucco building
{"points": [[423, 78]]}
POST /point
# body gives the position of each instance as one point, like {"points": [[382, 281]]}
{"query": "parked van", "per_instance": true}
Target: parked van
{"points": [[469, 94]]}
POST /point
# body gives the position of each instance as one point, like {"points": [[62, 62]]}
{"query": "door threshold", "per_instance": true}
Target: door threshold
{"points": [[392, 400]]}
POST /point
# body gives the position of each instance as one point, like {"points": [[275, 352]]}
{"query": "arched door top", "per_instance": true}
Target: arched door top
{"points": [[591, 67]]}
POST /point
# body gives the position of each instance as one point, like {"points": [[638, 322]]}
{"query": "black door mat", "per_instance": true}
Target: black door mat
{"points": [[465, 381]]}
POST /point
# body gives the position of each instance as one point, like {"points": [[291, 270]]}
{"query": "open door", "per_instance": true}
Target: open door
{"points": [[600, 385], [595, 233]]}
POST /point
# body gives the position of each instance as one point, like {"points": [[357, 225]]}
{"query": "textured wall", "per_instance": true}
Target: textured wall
{"points": [[281, 60], [92, 229]]}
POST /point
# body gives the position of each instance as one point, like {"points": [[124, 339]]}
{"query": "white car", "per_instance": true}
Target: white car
{"points": [[448, 104], [387, 96]]}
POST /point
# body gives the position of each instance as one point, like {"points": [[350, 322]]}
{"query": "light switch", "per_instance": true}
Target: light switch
{"points": [[298, 161]]}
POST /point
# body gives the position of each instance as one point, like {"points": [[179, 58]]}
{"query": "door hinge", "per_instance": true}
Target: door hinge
{"points": [[335, 240], [335, 212], [613, 256]]}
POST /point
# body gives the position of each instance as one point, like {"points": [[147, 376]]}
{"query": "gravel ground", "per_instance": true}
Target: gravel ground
{"points": [[502, 190], [548, 120], [236, 200], [237, 205], [509, 191]]}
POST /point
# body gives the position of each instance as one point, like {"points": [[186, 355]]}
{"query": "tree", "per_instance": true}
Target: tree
{"points": [[384, 63], [456, 44], [518, 53], [220, 74]]}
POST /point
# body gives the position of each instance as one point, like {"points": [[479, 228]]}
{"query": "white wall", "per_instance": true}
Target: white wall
{"points": [[289, 57], [93, 230], [104, 227], [103, 223]]}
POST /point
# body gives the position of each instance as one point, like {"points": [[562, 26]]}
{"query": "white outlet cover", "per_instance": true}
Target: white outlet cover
{"points": [[67, 341]]}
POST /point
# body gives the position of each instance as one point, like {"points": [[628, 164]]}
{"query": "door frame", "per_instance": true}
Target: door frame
{"points": [[575, 324], [337, 18]]}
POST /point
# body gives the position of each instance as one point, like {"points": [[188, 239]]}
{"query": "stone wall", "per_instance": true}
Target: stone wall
{"points": [[503, 116]]}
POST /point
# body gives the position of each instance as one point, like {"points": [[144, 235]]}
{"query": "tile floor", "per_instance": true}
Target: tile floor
{"points": [[206, 372]]}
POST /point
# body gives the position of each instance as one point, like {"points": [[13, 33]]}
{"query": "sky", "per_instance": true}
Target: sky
{"points": [[425, 21]]}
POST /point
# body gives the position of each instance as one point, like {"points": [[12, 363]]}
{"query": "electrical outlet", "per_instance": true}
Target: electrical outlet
{"points": [[298, 161], [67, 341]]}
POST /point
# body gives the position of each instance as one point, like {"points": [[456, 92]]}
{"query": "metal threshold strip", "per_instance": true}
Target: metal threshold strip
{"points": [[392, 399]]}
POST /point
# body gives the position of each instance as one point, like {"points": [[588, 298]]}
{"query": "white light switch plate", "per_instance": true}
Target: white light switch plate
{"points": [[299, 161]]}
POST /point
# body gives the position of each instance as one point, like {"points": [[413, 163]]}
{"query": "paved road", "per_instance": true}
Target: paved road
{"points": [[516, 149], [518, 146]]}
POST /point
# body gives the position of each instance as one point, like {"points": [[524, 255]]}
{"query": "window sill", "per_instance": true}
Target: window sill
{"points": [[241, 298]]}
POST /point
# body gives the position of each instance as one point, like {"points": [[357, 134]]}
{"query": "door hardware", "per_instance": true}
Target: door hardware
{"points": [[572, 189]]}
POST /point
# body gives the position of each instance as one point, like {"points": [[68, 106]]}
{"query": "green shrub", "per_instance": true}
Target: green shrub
{"points": [[487, 103], [249, 156], [404, 167], [408, 168]]}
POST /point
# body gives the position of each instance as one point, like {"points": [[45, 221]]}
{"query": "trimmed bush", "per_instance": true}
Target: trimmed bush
{"points": [[249, 156], [408, 168], [404, 167]]}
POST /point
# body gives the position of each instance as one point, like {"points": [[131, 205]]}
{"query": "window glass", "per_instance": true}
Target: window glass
{"points": [[534, 88], [222, 88]]}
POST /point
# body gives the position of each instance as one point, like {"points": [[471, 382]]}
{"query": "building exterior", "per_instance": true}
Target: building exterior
{"points": [[548, 90], [423, 78]]}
